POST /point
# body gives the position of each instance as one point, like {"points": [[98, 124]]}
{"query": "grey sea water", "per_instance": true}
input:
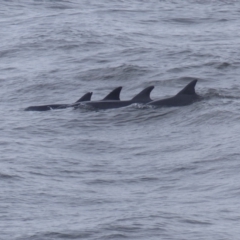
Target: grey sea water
{"points": [[129, 173]]}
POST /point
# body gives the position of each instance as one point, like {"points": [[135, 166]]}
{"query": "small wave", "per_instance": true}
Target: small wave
{"points": [[58, 235], [223, 65], [37, 87], [122, 72], [101, 182], [8, 53], [216, 65], [141, 179], [222, 93], [60, 4], [7, 176], [188, 21], [192, 221]]}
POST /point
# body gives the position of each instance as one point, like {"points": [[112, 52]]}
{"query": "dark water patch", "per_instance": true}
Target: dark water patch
{"points": [[140, 180], [136, 51], [60, 6], [215, 117], [183, 169], [6, 176], [9, 53], [77, 173], [47, 92], [194, 222], [122, 228], [222, 65], [41, 172], [115, 236], [123, 72], [102, 182], [143, 115], [178, 52], [222, 94], [210, 64], [190, 20], [58, 235], [223, 20], [219, 160], [56, 4]]}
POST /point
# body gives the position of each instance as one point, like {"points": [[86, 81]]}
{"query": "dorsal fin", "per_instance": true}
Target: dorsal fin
{"points": [[85, 97], [144, 95], [114, 94], [189, 89]]}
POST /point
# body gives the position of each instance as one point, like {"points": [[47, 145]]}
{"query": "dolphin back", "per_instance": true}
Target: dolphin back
{"points": [[113, 95], [189, 89], [143, 96], [85, 97], [185, 97]]}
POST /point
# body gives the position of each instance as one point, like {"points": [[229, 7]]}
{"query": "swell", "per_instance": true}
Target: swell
{"points": [[6, 176]]}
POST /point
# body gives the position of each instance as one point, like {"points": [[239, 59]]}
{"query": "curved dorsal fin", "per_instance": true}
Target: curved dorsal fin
{"points": [[189, 89], [85, 97], [114, 94], [144, 95]]}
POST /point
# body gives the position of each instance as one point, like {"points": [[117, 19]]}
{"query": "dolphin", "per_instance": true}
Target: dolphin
{"points": [[142, 97], [85, 97], [185, 97], [113, 95]]}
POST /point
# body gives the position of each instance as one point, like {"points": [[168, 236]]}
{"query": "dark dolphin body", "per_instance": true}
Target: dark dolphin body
{"points": [[185, 97], [143, 97], [86, 97], [113, 95]]}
